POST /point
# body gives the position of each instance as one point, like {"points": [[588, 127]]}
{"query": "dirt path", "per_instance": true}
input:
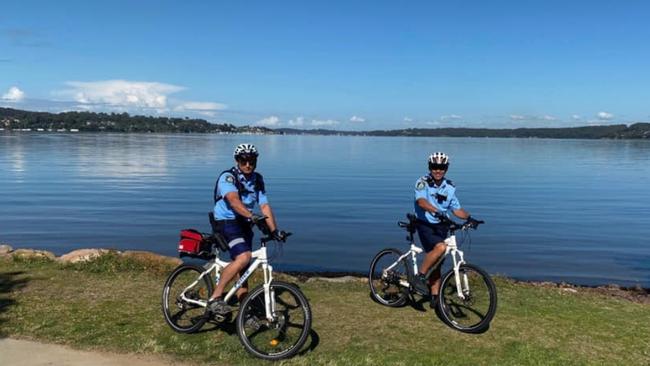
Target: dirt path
{"points": [[14, 352]]}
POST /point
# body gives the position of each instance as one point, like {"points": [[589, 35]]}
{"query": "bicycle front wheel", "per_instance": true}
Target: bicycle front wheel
{"points": [[472, 312], [281, 337], [388, 285], [182, 314]]}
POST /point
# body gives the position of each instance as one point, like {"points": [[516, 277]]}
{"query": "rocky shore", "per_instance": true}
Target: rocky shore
{"points": [[636, 294]]}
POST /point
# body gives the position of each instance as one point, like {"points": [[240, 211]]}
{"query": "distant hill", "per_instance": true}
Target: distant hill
{"points": [[14, 119], [113, 122], [635, 131]]}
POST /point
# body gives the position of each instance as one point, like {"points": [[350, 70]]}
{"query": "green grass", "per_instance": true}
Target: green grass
{"points": [[113, 304]]}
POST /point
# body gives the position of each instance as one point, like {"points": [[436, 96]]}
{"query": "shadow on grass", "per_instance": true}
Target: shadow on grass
{"points": [[227, 326], [422, 305], [230, 328], [9, 282], [312, 342]]}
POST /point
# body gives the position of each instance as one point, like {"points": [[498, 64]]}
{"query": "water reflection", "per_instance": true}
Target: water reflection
{"points": [[127, 158]]}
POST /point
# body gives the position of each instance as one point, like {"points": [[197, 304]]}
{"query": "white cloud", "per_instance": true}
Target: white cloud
{"points": [[576, 117], [13, 95], [299, 121], [270, 121], [134, 94], [451, 117], [549, 118], [328, 122], [357, 119], [517, 117], [605, 116], [408, 119]]}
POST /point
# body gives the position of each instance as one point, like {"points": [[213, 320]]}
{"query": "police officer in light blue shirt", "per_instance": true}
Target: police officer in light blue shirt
{"points": [[435, 196], [237, 192]]}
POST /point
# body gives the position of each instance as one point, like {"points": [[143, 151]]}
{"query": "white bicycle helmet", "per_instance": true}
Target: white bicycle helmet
{"points": [[439, 158], [245, 150]]}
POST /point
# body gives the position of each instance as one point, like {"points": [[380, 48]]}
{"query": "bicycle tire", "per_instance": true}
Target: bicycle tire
{"points": [[474, 313], [379, 284], [190, 317], [274, 340]]}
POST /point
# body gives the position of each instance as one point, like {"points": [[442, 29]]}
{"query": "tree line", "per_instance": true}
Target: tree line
{"points": [[123, 122]]}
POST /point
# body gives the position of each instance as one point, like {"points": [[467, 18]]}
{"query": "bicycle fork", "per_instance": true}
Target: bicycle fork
{"points": [[269, 295], [458, 259]]}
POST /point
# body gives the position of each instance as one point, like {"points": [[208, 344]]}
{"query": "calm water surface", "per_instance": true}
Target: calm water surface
{"points": [[561, 210]]}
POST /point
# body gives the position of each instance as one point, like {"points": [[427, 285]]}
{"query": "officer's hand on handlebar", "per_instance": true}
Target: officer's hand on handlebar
{"points": [[279, 235], [472, 222]]}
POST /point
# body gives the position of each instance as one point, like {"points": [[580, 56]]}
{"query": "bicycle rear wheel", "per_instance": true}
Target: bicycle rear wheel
{"points": [[474, 312], [183, 316], [387, 286], [286, 334]]}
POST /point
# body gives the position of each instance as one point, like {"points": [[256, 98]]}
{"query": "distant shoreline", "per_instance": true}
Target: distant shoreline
{"points": [[14, 120]]}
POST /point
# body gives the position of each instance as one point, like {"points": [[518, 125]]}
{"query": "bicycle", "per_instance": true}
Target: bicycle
{"points": [[274, 319], [467, 300]]}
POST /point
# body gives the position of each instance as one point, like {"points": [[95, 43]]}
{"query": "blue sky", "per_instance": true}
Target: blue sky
{"points": [[358, 65]]}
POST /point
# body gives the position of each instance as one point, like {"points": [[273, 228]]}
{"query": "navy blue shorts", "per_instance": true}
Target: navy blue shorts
{"points": [[431, 234], [238, 234]]}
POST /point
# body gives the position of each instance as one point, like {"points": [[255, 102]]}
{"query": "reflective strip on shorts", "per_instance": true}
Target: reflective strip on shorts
{"points": [[234, 242]]}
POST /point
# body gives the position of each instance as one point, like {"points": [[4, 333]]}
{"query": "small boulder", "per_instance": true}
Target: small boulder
{"points": [[32, 254], [82, 255], [5, 249]]}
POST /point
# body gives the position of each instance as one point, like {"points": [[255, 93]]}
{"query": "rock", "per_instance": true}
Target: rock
{"points": [[151, 257], [343, 279], [81, 255], [569, 289], [5, 249], [32, 254]]}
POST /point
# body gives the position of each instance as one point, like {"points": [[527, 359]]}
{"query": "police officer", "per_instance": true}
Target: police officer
{"points": [[435, 196], [236, 193]]}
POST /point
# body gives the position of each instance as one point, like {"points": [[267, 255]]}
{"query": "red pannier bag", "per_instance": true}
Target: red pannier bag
{"points": [[191, 244]]}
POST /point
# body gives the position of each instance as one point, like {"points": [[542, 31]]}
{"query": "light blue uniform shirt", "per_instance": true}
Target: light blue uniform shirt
{"points": [[222, 209], [442, 197]]}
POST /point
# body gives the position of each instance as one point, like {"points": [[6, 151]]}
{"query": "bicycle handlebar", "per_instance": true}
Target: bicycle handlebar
{"points": [[453, 225], [264, 228]]}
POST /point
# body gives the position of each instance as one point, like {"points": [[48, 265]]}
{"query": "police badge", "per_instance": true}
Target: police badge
{"points": [[420, 185]]}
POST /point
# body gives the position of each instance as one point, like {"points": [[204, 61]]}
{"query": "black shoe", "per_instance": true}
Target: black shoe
{"points": [[218, 306], [421, 285], [433, 301]]}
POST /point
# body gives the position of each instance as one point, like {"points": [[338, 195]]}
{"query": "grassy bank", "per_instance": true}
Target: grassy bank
{"points": [[114, 304]]}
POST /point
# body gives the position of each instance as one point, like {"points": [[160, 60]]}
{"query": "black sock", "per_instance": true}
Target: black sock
{"points": [[218, 298]]}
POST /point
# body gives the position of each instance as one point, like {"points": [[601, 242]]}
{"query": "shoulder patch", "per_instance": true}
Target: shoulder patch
{"points": [[450, 182], [230, 179], [420, 185]]}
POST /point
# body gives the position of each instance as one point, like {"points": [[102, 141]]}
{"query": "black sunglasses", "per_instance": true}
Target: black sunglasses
{"points": [[249, 161], [438, 166]]}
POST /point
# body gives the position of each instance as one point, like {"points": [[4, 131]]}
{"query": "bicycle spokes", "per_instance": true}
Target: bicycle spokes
{"points": [[475, 304]]}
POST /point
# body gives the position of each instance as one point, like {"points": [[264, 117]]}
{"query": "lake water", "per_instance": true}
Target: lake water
{"points": [[560, 210]]}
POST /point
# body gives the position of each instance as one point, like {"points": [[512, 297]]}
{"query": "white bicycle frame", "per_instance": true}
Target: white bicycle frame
{"points": [[260, 258], [456, 255]]}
